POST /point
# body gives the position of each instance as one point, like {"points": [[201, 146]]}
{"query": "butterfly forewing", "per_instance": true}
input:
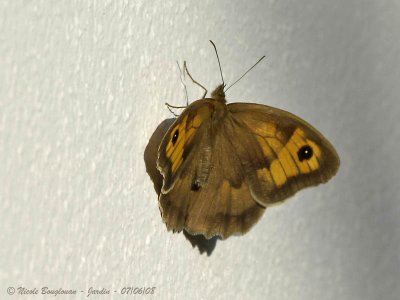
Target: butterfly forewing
{"points": [[188, 135], [295, 154]]}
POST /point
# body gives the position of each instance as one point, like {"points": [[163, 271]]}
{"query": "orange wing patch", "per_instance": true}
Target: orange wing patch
{"points": [[287, 163], [186, 130], [265, 175], [278, 173], [263, 129]]}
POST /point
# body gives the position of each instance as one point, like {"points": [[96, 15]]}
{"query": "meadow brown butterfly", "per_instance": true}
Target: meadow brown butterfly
{"points": [[224, 163]]}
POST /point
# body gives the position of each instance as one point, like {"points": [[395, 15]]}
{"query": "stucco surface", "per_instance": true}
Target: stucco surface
{"points": [[82, 89]]}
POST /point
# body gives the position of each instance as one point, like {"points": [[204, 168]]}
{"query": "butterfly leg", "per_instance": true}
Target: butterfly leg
{"points": [[183, 81], [169, 106], [194, 81]]}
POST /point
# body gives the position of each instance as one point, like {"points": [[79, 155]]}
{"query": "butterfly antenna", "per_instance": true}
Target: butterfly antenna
{"points": [[245, 73], [219, 62]]}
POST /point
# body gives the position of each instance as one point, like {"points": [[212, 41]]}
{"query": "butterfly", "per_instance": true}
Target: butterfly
{"points": [[224, 163]]}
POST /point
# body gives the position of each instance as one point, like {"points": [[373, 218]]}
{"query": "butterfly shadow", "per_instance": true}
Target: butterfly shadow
{"points": [[150, 159]]}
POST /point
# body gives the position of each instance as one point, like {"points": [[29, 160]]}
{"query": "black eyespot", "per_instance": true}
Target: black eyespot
{"points": [[195, 186], [175, 137], [305, 152]]}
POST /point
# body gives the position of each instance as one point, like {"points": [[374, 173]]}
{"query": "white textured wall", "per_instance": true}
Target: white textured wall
{"points": [[82, 87]]}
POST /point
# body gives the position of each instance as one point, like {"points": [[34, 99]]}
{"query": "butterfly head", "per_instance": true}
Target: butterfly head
{"points": [[219, 93]]}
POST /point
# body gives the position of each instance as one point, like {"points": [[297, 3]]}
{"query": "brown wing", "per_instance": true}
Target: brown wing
{"points": [[252, 160], [187, 137], [222, 205], [284, 153]]}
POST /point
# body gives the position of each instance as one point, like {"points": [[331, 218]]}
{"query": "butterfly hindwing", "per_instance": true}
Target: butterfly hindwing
{"points": [[222, 205]]}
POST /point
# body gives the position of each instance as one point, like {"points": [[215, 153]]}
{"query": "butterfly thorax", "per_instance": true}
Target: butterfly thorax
{"points": [[219, 94]]}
